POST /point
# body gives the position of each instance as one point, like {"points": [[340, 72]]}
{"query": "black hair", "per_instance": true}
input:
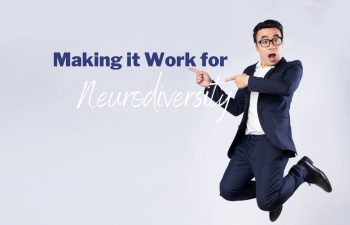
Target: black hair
{"points": [[267, 24]]}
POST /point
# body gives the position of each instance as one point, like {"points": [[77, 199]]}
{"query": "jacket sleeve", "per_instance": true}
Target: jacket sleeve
{"points": [[286, 86], [235, 105]]}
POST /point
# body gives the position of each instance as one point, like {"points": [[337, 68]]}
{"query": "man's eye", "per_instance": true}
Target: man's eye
{"points": [[264, 41], [277, 40]]}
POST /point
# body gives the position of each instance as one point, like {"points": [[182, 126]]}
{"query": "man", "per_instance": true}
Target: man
{"points": [[263, 143]]}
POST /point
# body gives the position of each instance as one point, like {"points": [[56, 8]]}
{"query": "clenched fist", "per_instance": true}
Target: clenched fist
{"points": [[202, 77]]}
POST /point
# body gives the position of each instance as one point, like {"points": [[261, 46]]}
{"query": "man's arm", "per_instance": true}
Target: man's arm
{"points": [[235, 105], [285, 87]]}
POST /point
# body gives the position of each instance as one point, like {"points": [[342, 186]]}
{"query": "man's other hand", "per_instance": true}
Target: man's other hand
{"points": [[202, 77]]}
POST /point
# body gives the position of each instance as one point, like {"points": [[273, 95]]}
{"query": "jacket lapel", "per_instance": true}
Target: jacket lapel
{"points": [[251, 72], [279, 64]]}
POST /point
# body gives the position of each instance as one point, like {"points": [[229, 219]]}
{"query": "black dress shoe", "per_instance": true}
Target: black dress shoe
{"points": [[275, 213], [315, 175]]}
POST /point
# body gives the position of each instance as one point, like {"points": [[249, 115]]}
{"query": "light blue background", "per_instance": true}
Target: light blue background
{"points": [[60, 165]]}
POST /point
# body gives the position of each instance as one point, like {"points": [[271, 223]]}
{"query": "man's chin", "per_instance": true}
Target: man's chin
{"points": [[274, 61]]}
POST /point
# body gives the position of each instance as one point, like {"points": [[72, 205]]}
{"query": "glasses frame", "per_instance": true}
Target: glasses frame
{"points": [[270, 41]]}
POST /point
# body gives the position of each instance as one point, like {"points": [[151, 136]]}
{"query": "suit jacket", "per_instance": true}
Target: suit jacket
{"points": [[275, 96]]}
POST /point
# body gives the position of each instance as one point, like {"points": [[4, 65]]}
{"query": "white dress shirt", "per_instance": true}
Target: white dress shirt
{"points": [[253, 124]]}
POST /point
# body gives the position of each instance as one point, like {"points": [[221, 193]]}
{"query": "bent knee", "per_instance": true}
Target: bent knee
{"points": [[267, 205], [229, 194]]}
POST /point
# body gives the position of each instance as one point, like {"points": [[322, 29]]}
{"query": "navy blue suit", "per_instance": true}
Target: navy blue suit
{"points": [[276, 92], [262, 156]]}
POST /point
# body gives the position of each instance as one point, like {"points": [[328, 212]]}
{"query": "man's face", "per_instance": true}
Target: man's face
{"points": [[270, 52]]}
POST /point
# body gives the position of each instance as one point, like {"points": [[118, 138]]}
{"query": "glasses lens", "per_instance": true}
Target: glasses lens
{"points": [[277, 41], [265, 43]]}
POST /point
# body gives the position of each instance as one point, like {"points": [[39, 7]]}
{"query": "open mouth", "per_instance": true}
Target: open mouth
{"points": [[272, 57]]}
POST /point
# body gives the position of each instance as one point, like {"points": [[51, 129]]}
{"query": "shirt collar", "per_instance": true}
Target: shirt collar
{"points": [[258, 65]]}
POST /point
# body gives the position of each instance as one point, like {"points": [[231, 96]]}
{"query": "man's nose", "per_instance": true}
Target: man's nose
{"points": [[272, 47]]}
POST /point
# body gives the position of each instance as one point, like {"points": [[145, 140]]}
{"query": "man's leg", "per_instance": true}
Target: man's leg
{"points": [[236, 183], [268, 165]]}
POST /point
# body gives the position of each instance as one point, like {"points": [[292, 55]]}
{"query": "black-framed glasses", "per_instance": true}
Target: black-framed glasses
{"points": [[275, 41]]}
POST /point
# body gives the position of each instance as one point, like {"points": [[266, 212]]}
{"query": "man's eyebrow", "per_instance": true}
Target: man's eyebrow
{"points": [[262, 37]]}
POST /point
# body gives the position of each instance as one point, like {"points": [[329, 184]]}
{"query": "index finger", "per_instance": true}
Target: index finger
{"points": [[194, 70], [230, 78]]}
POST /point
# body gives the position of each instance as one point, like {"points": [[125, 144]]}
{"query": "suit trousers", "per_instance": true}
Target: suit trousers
{"points": [[255, 156]]}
